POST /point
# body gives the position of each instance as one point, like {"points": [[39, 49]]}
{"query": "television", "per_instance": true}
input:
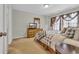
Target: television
{"points": [[32, 25]]}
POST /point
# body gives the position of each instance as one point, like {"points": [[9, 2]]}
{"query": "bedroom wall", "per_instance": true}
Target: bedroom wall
{"points": [[21, 20], [47, 18]]}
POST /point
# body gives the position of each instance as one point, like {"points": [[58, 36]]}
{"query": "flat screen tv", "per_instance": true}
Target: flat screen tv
{"points": [[32, 25]]}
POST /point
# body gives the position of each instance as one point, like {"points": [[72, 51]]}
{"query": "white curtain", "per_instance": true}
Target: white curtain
{"points": [[56, 24]]}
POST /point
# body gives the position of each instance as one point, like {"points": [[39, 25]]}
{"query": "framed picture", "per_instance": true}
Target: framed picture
{"points": [[37, 21]]}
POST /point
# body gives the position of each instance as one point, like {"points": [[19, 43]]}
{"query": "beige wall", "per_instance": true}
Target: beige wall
{"points": [[21, 20]]}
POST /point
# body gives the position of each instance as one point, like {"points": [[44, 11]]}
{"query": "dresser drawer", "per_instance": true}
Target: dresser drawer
{"points": [[32, 32]]}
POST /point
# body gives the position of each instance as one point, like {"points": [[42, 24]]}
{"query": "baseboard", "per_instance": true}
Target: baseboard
{"points": [[19, 38]]}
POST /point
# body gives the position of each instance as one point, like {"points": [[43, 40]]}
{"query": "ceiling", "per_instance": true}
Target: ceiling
{"points": [[38, 8]]}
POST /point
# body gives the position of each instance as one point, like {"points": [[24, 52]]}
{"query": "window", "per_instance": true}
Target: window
{"points": [[57, 24], [65, 21], [69, 21]]}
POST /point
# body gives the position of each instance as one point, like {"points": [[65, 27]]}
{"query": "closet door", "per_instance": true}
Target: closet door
{"points": [[3, 29]]}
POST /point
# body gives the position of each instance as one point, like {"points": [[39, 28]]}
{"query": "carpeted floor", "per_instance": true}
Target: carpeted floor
{"points": [[26, 46]]}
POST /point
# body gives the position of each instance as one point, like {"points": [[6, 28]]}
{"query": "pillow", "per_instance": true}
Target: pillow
{"points": [[63, 30], [76, 36], [70, 33]]}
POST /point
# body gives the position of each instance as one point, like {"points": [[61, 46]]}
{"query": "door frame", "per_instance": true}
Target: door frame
{"points": [[6, 24]]}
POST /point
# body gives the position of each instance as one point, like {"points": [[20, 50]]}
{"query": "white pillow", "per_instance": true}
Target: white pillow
{"points": [[76, 36]]}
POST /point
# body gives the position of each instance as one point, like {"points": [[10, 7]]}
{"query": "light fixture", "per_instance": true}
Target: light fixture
{"points": [[46, 5]]}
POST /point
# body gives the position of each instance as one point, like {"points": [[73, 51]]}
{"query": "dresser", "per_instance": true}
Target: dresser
{"points": [[31, 32]]}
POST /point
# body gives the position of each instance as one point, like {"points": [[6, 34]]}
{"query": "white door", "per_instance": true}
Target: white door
{"points": [[3, 28]]}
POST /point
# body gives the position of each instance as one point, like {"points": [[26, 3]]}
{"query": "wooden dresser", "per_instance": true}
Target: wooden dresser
{"points": [[32, 31]]}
